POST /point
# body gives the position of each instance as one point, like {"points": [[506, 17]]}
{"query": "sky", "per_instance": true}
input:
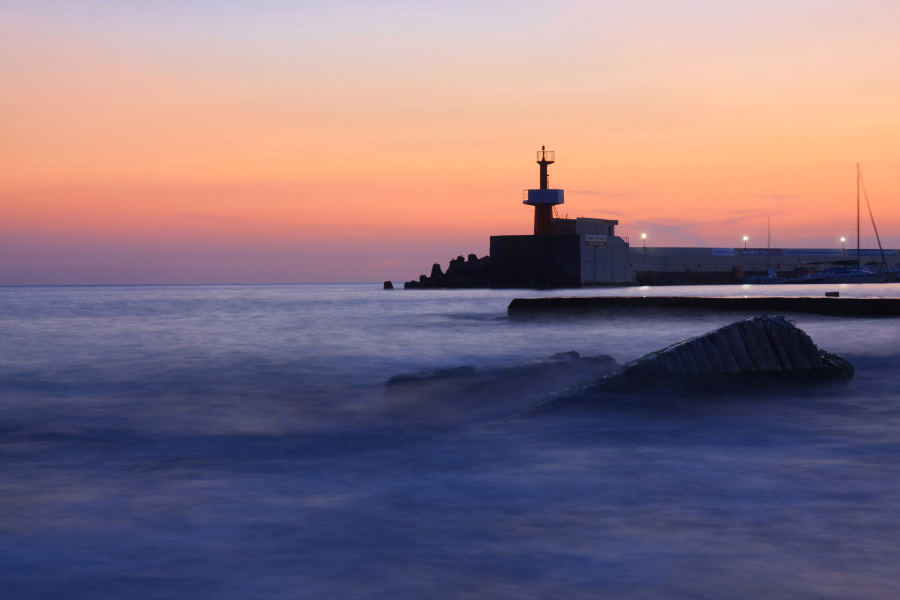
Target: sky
{"points": [[271, 141]]}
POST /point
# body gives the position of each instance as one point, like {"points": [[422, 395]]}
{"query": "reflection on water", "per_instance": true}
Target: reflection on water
{"points": [[230, 442]]}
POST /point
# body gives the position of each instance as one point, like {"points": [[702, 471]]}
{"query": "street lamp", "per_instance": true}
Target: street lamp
{"points": [[842, 243], [745, 242], [644, 237]]}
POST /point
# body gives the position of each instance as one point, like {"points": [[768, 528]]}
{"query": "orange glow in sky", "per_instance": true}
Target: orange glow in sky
{"points": [[202, 142]]}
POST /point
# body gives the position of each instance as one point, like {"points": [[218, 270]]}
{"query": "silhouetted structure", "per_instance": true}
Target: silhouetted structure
{"points": [[544, 199], [564, 252], [535, 261], [473, 272]]}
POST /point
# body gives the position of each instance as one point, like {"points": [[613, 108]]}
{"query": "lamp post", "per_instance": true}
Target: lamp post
{"points": [[745, 242], [644, 237], [842, 243]]}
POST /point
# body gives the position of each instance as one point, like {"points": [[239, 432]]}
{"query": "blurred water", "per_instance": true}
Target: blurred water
{"points": [[229, 442]]}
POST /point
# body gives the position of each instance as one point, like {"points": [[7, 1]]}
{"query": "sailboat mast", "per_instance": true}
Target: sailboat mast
{"points": [[862, 184], [857, 215]]}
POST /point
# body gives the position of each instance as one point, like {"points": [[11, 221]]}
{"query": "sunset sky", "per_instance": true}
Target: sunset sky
{"points": [[272, 141]]}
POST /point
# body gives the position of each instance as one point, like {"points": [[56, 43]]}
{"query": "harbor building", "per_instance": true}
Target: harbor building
{"points": [[586, 251], [561, 252], [570, 253]]}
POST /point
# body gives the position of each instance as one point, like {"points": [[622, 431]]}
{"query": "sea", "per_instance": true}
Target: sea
{"points": [[235, 441]]}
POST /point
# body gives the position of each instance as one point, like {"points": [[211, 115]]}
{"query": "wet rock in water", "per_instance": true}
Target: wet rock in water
{"points": [[761, 352], [388, 285], [429, 376], [571, 355], [468, 390]]}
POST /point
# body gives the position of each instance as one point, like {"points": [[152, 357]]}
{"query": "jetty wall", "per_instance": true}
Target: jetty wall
{"points": [[667, 265]]}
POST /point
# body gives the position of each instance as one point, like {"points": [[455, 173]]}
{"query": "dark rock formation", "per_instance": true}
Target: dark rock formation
{"points": [[468, 390], [761, 352], [388, 285], [462, 273]]}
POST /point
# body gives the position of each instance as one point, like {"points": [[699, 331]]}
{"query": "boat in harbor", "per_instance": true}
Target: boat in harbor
{"points": [[850, 275], [851, 271], [846, 271], [872, 272], [891, 274], [771, 277]]}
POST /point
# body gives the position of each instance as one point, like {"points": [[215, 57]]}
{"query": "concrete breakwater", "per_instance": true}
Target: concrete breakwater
{"points": [[757, 353], [856, 307]]}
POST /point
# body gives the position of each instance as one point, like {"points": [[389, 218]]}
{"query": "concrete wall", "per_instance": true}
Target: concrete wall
{"points": [[535, 261], [717, 265], [605, 265], [569, 260], [585, 225]]}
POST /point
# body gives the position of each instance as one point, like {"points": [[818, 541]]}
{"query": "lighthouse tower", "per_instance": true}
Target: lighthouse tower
{"points": [[543, 200]]}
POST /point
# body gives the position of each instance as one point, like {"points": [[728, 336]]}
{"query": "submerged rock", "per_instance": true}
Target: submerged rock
{"points": [[467, 390], [431, 376], [745, 356]]}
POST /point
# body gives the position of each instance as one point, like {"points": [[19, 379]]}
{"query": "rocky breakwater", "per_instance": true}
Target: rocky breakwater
{"points": [[747, 356], [472, 272]]}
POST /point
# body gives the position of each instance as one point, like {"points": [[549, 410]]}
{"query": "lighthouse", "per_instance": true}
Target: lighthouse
{"points": [[544, 199]]}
